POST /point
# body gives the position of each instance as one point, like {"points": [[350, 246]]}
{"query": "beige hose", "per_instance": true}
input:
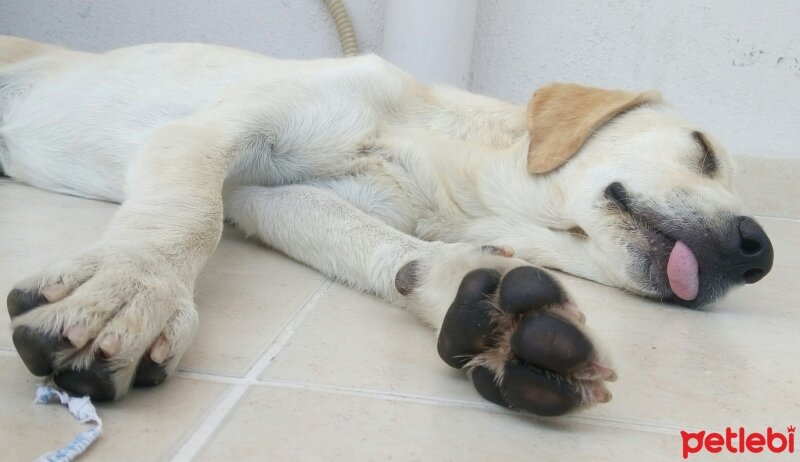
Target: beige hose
{"points": [[347, 36]]}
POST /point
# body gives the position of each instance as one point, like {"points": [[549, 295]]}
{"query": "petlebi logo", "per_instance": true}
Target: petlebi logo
{"points": [[739, 441]]}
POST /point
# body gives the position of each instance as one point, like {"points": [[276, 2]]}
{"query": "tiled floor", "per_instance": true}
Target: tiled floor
{"points": [[290, 366]]}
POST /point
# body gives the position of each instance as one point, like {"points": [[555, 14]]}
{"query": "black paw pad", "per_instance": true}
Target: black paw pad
{"points": [[37, 349], [95, 381], [149, 373], [537, 391], [21, 301], [477, 285], [526, 288], [466, 331], [551, 342], [483, 380]]}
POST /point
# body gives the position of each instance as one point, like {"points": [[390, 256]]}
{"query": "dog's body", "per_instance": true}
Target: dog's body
{"points": [[354, 168]]}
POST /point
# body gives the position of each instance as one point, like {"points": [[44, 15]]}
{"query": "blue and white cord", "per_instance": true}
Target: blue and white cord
{"points": [[83, 410]]}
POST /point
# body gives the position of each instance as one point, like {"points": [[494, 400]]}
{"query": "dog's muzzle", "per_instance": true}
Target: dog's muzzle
{"points": [[702, 260]]}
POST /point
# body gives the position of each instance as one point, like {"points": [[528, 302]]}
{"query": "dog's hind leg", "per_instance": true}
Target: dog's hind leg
{"points": [[122, 312], [509, 324]]}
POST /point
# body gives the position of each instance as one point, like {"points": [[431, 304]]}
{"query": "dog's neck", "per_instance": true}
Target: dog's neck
{"points": [[475, 149], [475, 183]]}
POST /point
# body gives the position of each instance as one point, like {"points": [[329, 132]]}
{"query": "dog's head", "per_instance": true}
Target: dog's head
{"points": [[644, 194]]}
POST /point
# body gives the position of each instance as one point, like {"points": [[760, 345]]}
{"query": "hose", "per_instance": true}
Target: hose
{"points": [[344, 27]]}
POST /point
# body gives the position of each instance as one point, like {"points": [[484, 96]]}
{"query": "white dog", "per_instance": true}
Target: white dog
{"points": [[418, 194]]}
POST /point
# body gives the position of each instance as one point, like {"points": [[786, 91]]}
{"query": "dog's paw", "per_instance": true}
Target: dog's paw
{"points": [[523, 343], [104, 321]]}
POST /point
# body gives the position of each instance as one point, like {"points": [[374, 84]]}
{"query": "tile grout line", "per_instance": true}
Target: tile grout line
{"points": [[326, 388], [775, 217], [626, 424], [201, 435]]}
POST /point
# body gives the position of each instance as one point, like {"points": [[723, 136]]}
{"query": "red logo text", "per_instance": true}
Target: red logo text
{"points": [[738, 441]]}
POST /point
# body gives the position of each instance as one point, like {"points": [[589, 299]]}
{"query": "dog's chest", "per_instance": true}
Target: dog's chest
{"points": [[399, 180]]}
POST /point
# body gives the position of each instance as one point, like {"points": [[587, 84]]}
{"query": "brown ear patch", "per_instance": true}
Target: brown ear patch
{"points": [[561, 117]]}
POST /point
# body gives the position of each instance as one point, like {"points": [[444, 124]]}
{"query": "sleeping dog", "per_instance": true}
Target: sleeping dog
{"points": [[433, 198]]}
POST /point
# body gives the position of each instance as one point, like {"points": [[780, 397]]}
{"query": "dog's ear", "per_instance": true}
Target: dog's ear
{"points": [[561, 117]]}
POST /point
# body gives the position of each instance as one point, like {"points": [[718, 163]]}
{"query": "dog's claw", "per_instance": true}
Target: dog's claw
{"points": [[78, 335], [55, 292], [159, 350], [109, 345], [499, 250]]}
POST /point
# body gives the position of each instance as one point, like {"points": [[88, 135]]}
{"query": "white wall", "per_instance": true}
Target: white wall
{"points": [[733, 66], [281, 28], [435, 46]]}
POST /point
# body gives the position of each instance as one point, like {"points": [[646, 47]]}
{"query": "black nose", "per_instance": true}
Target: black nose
{"points": [[749, 252]]}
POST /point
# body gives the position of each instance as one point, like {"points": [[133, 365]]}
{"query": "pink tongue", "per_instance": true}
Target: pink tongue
{"points": [[682, 272]]}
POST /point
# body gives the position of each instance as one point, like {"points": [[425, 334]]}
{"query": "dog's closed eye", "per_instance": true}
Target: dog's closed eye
{"points": [[708, 160], [575, 231]]}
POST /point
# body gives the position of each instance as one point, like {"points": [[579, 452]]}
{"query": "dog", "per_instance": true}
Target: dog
{"points": [[436, 199]]}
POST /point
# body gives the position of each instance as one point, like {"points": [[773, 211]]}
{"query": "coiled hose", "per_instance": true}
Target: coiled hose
{"points": [[344, 26]]}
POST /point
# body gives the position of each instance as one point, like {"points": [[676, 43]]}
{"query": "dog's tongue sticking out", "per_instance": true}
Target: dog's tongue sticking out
{"points": [[684, 279]]}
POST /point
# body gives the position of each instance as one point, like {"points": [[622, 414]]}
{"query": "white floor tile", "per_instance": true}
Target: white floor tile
{"points": [[277, 424], [245, 295], [145, 426], [356, 340]]}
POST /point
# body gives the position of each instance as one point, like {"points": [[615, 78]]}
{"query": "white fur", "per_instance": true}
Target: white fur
{"points": [[348, 165]]}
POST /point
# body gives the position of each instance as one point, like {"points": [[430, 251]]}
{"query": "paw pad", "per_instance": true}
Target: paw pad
{"points": [[95, 381], [526, 288], [21, 301], [37, 349], [519, 337], [467, 328], [149, 373], [550, 342]]}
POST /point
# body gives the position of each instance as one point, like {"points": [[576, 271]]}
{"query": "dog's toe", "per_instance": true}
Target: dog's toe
{"points": [[149, 373], [477, 285], [37, 349], [96, 381], [551, 342], [20, 301], [485, 383], [538, 391], [467, 327], [526, 288], [466, 331]]}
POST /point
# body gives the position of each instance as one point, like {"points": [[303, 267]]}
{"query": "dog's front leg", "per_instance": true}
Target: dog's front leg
{"points": [[509, 324], [122, 313]]}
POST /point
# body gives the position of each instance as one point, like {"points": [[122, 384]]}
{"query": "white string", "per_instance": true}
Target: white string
{"points": [[81, 408]]}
